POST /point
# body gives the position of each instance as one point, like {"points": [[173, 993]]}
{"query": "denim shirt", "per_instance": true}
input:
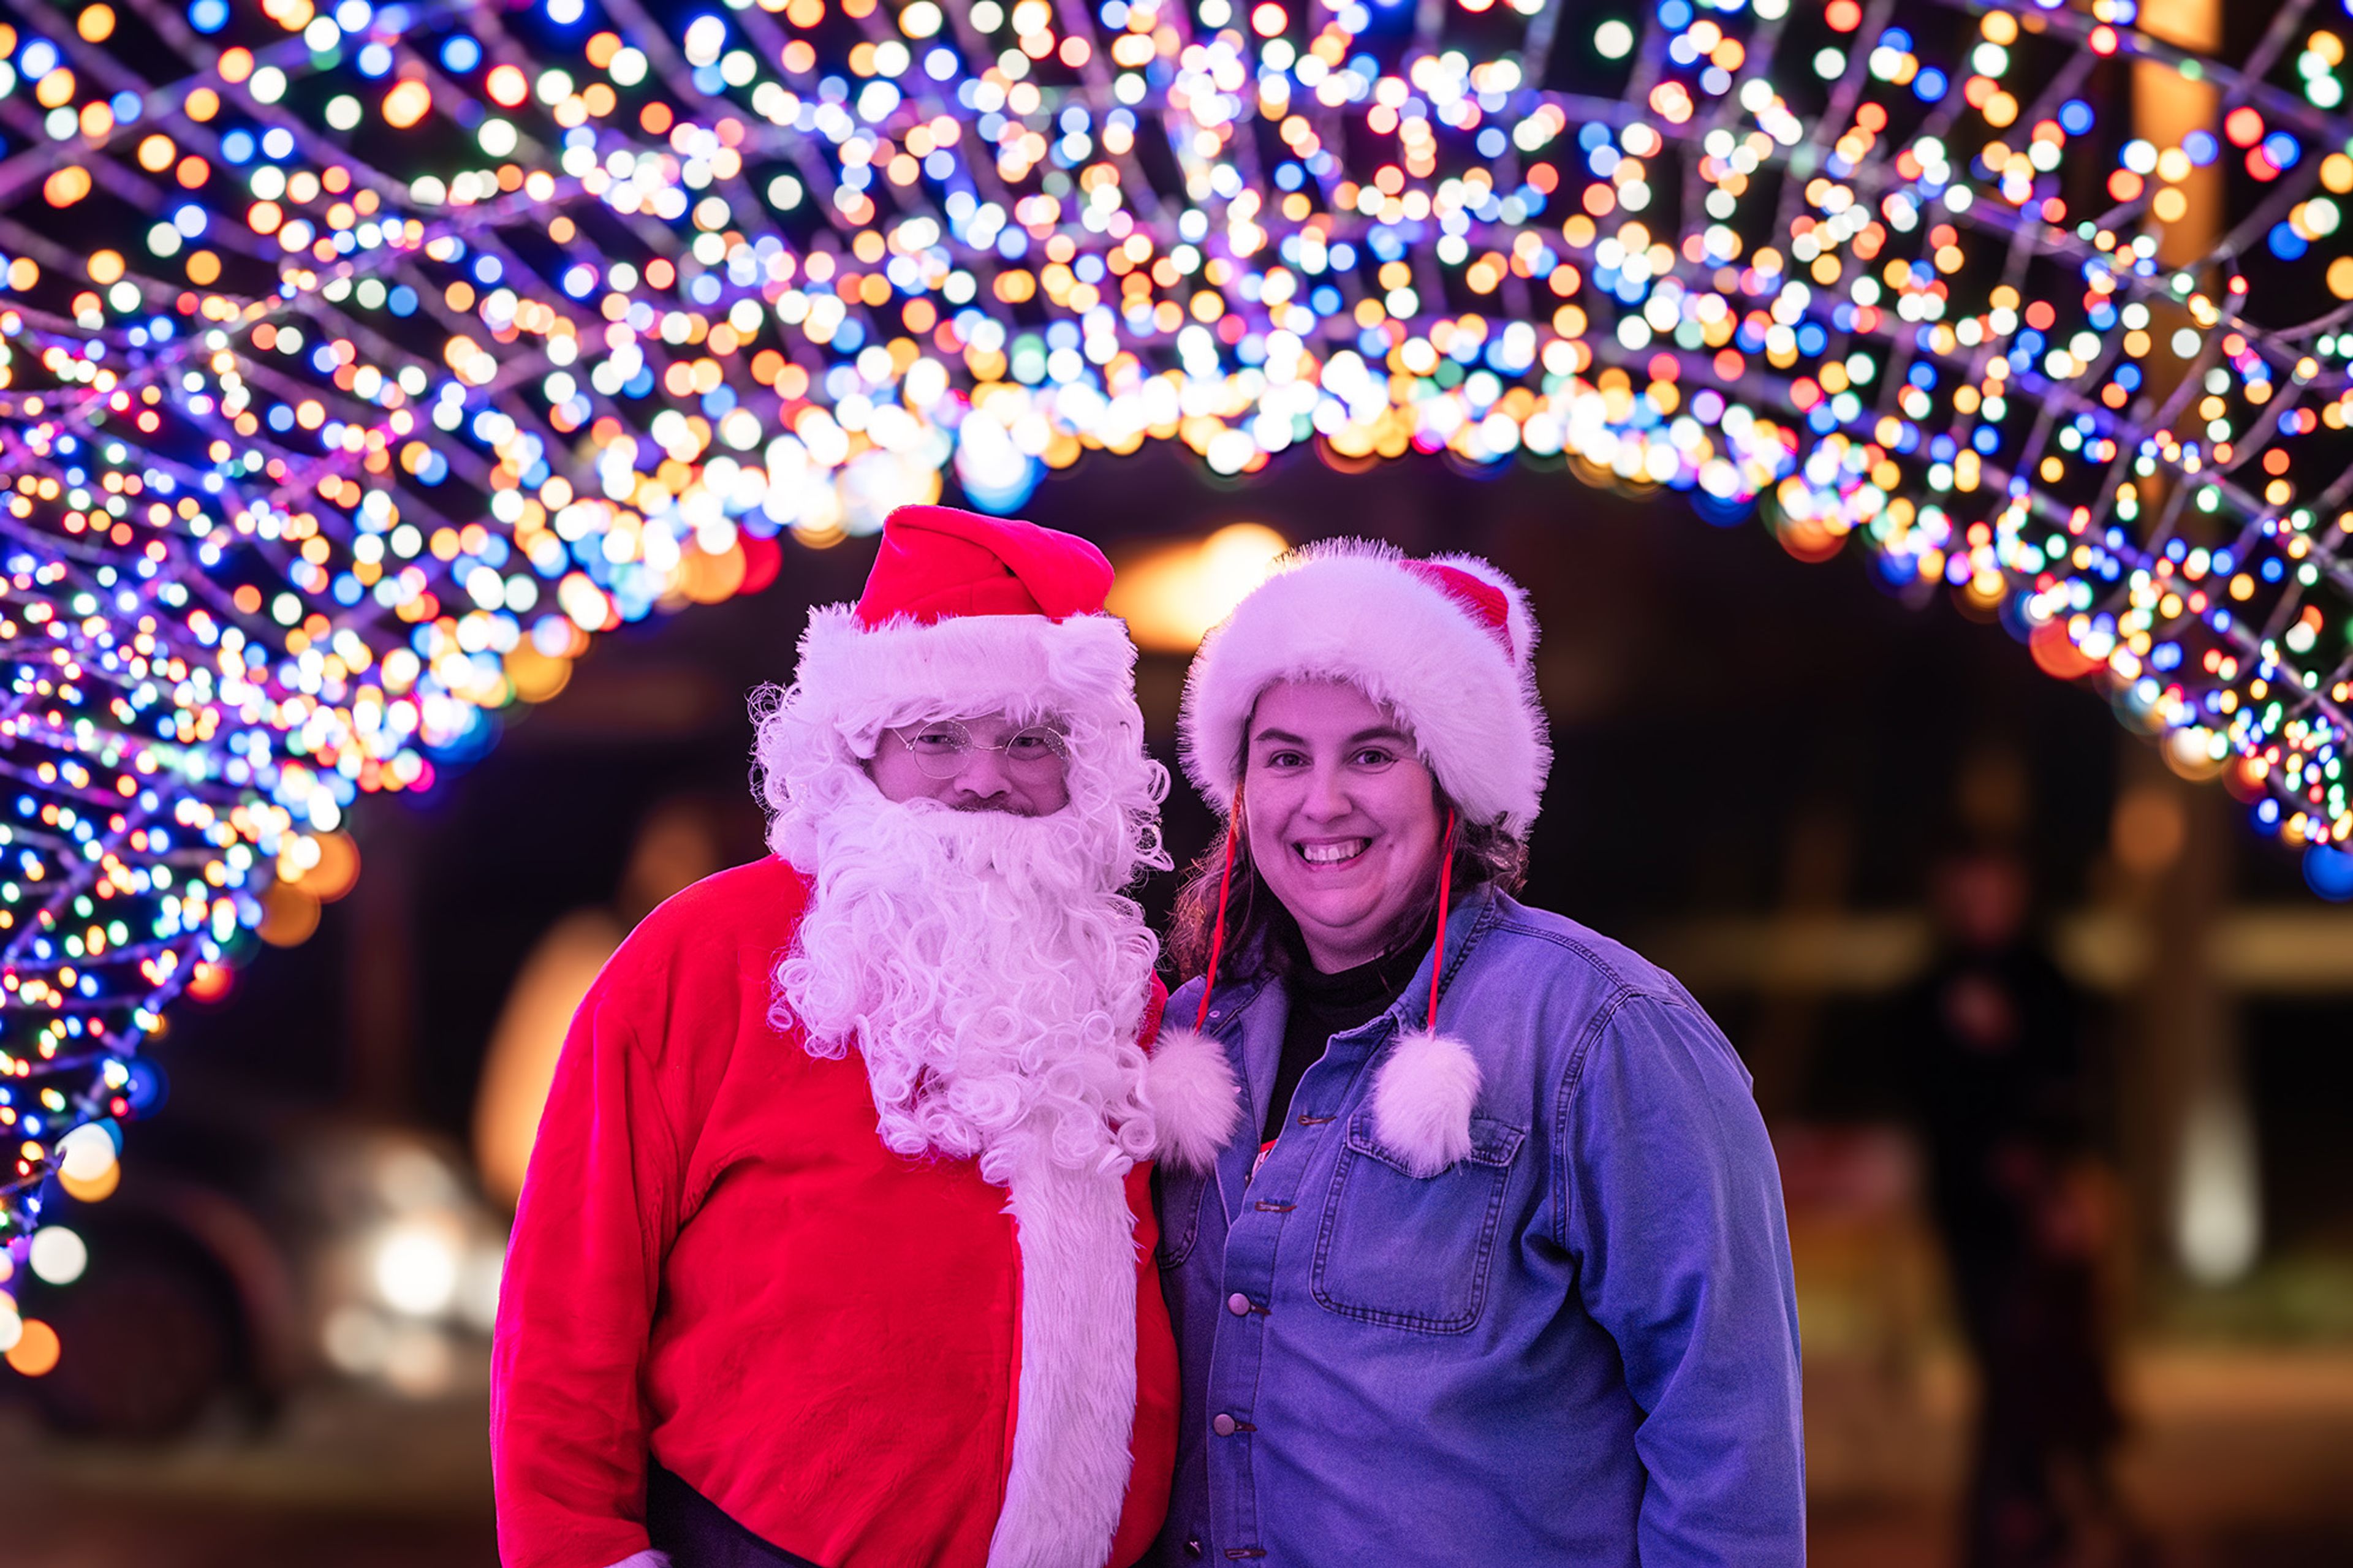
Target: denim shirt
{"points": [[1577, 1345]]}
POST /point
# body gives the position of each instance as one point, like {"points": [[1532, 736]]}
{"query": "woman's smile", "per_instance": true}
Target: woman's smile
{"points": [[1332, 854]]}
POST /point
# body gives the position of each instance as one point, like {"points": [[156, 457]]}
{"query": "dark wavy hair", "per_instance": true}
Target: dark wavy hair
{"points": [[1258, 927]]}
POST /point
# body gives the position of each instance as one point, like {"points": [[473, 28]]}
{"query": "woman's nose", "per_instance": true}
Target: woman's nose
{"points": [[1327, 797]]}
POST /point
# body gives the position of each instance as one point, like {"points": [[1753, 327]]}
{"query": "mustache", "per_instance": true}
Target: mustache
{"points": [[986, 974]]}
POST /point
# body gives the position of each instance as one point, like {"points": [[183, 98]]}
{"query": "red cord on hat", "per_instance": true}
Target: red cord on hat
{"points": [[1225, 887], [1445, 887]]}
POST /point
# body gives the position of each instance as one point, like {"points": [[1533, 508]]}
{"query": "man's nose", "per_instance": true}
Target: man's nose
{"points": [[982, 775]]}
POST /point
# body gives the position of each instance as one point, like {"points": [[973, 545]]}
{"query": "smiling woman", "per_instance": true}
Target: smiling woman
{"points": [[1542, 1211], [1342, 909], [1344, 820], [1362, 688]]}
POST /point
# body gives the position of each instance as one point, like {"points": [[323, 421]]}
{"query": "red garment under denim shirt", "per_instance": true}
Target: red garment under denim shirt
{"points": [[715, 1260]]}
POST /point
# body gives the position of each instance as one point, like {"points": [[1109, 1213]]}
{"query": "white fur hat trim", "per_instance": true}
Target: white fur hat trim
{"points": [[859, 679], [1196, 1100], [1351, 610], [1422, 1099]]}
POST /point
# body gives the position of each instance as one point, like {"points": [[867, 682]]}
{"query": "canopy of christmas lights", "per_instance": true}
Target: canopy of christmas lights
{"points": [[361, 362]]}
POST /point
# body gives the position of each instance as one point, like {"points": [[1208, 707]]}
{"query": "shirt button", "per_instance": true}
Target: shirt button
{"points": [[1223, 1425], [1238, 1304]]}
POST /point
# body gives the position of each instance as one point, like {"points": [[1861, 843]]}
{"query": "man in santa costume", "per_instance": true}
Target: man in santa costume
{"points": [[835, 1247]]}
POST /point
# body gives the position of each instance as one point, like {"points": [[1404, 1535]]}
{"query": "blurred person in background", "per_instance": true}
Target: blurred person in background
{"points": [[1994, 1053], [676, 846], [1497, 1270], [835, 1245]]}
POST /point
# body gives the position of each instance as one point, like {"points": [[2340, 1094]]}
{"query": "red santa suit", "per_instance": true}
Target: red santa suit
{"points": [[867, 1358]]}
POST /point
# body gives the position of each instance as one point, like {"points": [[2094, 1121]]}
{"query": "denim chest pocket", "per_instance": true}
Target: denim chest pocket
{"points": [[1178, 1194], [1413, 1252]]}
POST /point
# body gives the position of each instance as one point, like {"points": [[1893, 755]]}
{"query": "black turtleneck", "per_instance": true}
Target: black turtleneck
{"points": [[1323, 1005]]}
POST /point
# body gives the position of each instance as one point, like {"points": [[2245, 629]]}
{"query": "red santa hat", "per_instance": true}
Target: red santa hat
{"points": [[1445, 643], [965, 615]]}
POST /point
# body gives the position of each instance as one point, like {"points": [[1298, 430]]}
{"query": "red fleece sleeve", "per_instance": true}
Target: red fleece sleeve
{"points": [[568, 1416]]}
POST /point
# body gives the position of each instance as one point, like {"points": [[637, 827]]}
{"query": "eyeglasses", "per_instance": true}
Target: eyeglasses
{"points": [[942, 747]]}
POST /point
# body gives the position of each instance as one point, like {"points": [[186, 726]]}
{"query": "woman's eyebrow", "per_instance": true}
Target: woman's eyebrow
{"points": [[1381, 732]]}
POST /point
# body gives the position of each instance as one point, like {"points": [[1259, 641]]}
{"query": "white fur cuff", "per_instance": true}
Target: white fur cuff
{"points": [[1423, 1098], [857, 678], [1196, 1103]]}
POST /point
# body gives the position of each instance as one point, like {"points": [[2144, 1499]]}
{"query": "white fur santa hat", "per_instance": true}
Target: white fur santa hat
{"points": [[1446, 645]]}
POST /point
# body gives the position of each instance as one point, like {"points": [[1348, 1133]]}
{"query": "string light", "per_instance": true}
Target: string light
{"points": [[416, 344]]}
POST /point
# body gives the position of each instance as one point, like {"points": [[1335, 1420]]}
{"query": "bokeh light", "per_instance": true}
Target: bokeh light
{"points": [[1171, 594], [359, 364]]}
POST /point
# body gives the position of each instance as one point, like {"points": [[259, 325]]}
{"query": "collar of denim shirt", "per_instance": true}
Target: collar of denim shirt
{"points": [[1251, 1015]]}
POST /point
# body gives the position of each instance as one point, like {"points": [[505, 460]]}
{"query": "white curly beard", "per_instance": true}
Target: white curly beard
{"points": [[987, 970]]}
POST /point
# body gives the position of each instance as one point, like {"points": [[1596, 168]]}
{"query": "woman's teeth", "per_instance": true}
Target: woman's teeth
{"points": [[1332, 854]]}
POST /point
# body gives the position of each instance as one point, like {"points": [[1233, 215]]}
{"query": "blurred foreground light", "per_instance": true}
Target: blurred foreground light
{"points": [[86, 1153], [2329, 872], [288, 915], [337, 868], [209, 982], [2190, 753], [2056, 653], [537, 676], [2218, 1222], [58, 1256], [35, 1353], [1172, 595], [92, 1189], [88, 1167], [417, 1269]]}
